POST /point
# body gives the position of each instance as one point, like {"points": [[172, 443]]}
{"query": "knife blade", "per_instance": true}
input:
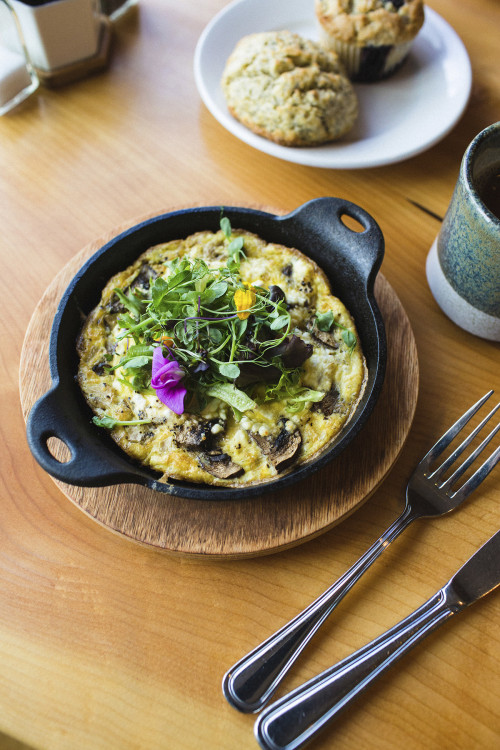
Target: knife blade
{"points": [[480, 574], [295, 719]]}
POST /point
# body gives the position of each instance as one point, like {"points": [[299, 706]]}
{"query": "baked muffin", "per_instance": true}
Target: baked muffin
{"points": [[371, 37], [289, 89]]}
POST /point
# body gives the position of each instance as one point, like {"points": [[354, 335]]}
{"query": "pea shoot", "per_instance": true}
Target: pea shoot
{"points": [[326, 321]]}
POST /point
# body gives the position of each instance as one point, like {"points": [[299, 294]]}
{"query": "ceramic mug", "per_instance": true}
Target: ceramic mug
{"points": [[463, 265]]}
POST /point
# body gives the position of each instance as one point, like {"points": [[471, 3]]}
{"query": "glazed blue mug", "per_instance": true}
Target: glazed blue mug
{"points": [[463, 265]]}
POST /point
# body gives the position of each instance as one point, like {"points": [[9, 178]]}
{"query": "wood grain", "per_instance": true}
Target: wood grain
{"points": [[272, 521], [112, 645]]}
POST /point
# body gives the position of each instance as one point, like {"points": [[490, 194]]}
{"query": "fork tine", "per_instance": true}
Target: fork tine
{"points": [[475, 480], [470, 459], [463, 445], [453, 431]]}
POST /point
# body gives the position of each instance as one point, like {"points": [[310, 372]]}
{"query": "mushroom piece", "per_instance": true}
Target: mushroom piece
{"points": [[328, 403], [195, 435], [191, 435], [100, 368], [325, 337], [140, 283], [276, 293], [281, 451], [220, 465], [143, 280]]}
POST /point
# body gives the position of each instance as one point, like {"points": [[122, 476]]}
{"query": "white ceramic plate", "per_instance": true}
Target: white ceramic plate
{"points": [[399, 117]]}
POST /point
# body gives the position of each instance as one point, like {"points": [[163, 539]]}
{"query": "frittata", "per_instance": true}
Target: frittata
{"points": [[221, 359]]}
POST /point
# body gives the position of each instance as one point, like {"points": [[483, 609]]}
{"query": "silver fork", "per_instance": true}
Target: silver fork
{"points": [[250, 683]]}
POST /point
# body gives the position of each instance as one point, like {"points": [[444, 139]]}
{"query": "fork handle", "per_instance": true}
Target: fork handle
{"points": [[292, 721], [249, 684]]}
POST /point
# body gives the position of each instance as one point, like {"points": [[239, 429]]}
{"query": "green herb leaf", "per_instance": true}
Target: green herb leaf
{"points": [[349, 339], [158, 290], [215, 336], [229, 370], [324, 321], [225, 225], [241, 327], [297, 403], [235, 250], [139, 350], [280, 322], [231, 395], [110, 422], [218, 289], [131, 301], [135, 362]]}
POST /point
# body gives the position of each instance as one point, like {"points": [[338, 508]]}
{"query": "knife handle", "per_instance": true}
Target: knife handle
{"points": [[250, 683], [296, 718]]}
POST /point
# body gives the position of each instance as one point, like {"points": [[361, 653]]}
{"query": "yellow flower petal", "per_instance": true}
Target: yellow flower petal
{"points": [[166, 341], [244, 299]]}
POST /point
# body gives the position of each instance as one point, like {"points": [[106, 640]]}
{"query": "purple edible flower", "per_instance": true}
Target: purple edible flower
{"points": [[201, 367], [166, 380]]}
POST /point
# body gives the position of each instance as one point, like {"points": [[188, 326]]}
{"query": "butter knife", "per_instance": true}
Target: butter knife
{"points": [[295, 719]]}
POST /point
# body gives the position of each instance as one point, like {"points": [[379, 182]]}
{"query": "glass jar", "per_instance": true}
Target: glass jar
{"points": [[114, 9], [18, 79], [59, 33]]}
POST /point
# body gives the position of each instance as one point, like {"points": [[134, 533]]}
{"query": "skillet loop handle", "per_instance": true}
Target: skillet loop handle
{"points": [[363, 244], [86, 465]]}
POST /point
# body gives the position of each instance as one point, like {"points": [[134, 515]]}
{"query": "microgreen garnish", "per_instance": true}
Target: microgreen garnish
{"points": [[349, 339], [111, 422], [325, 322], [199, 333], [235, 252], [231, 395], [288, 389]]}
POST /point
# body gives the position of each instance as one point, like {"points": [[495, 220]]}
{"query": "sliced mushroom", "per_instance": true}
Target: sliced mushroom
{"points": [[327, 404], [281, 451], [276, 293], [193, 435], [144, 277], [141, 282], [220, 465], [100, 368], [325, 337]]}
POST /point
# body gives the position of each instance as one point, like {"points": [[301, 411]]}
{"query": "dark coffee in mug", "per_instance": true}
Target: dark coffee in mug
{"points": [[490, 192]]}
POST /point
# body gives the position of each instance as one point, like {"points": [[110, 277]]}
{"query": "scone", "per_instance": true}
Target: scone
{"points": [[371, 37], [288, 89]]}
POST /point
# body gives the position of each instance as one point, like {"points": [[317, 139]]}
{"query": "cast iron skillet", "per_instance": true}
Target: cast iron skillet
{"points": [[350, 259]]}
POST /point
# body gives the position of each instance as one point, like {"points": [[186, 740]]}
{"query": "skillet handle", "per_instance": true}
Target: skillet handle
{"points": [[90, 463], [364, 248]]}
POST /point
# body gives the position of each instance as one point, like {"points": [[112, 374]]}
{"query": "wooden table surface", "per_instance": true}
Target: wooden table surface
{"points": [[106, 644]]}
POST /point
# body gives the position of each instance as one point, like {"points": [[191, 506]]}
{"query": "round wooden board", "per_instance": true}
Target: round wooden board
{"points": [[268, 523]]}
